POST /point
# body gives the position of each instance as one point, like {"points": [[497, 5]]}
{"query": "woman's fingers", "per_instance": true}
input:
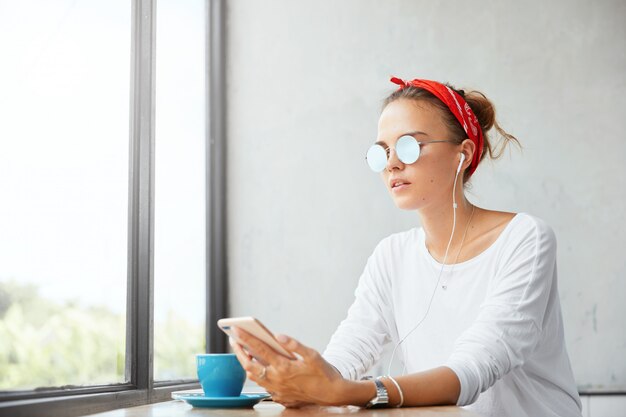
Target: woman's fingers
{"points": [[242, 356], [293, 345], [255, 370], [246, 361], [257, 348]]}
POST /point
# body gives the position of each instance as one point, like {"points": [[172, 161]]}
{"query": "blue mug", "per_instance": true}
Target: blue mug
{"points": [[220, 374]]}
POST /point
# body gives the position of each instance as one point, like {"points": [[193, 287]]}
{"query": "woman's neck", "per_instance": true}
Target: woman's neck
{"points": [[437, 221]]}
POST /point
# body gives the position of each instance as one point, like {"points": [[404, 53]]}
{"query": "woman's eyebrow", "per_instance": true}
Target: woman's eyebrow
{"points": [[417, 132]]}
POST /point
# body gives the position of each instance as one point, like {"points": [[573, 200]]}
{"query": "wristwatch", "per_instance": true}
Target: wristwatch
{"points": [[381, 399]]}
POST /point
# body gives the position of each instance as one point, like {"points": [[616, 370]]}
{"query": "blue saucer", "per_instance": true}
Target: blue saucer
{"points": [[244, 400]]}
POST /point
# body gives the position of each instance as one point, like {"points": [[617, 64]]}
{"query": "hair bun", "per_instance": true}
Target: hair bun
{"points": [[485, 112]]}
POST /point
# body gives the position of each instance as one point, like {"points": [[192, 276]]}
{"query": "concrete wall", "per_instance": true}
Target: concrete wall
{"points": [[306, 79]]}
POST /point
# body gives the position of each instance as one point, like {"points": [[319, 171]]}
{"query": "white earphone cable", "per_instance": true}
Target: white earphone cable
{"points": [[454, 206]]}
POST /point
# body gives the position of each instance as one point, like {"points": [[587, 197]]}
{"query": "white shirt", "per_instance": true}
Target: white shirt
{"points": [[497, 325]]}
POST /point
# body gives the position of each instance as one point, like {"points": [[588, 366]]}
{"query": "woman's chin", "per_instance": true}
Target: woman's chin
{"points": [[406, 204]]}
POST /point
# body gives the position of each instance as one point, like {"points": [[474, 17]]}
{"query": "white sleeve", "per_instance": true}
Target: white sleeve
{"points": [[510, 321], [358, 341]]}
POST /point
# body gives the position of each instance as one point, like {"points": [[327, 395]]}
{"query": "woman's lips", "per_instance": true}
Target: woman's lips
{"points": [[400, 187]]}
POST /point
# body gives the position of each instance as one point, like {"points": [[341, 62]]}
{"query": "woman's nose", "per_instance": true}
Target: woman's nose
{"points": [[393, 161]]}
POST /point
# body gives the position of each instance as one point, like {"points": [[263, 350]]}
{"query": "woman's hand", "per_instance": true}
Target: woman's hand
{"points": [[309, 379]]}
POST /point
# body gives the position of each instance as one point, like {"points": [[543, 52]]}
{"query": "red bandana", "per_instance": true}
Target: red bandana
{"points": [[458, 106]]}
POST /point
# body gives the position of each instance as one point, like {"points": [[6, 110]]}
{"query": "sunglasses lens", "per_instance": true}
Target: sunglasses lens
{"points": [[407, 149], [376, 158]]}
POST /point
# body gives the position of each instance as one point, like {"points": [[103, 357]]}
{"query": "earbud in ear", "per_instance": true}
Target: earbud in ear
{"points": [[460, 163]]}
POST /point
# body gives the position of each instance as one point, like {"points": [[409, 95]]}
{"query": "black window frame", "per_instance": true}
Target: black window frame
{"points": [[142, 389]]}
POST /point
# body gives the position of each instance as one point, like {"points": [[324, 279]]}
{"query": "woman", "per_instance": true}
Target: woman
{"points": [[482, 330]]}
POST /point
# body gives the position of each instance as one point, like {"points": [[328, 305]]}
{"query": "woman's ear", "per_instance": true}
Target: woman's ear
{"points": [[468, 148]]}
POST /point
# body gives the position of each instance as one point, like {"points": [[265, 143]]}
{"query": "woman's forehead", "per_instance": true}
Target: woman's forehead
{"points": [[405, 116]]}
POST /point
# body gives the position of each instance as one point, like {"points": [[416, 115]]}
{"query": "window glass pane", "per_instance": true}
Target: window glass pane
{"points": [[179, 260], [64, 123]]}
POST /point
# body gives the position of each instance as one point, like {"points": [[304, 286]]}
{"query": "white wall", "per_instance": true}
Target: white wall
{"points": [[306, 79]]}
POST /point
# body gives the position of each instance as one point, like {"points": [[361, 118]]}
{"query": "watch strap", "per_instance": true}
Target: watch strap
{"points": [[382, 397]]}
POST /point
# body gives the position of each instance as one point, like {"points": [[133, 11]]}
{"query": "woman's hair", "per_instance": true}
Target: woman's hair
{"points": [[482, 108]]}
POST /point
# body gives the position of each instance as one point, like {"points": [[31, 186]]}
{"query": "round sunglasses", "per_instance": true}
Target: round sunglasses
{"points": [[407, 149]]}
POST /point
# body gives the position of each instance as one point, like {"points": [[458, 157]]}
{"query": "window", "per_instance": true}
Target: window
{"points": [[64, 185], [102, 230], [180, 198]]}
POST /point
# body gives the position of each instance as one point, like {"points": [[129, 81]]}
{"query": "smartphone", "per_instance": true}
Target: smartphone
{"points": [[255, 328]]}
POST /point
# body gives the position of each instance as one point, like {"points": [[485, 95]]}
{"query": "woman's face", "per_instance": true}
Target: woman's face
{"points": [[430, 179]]}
